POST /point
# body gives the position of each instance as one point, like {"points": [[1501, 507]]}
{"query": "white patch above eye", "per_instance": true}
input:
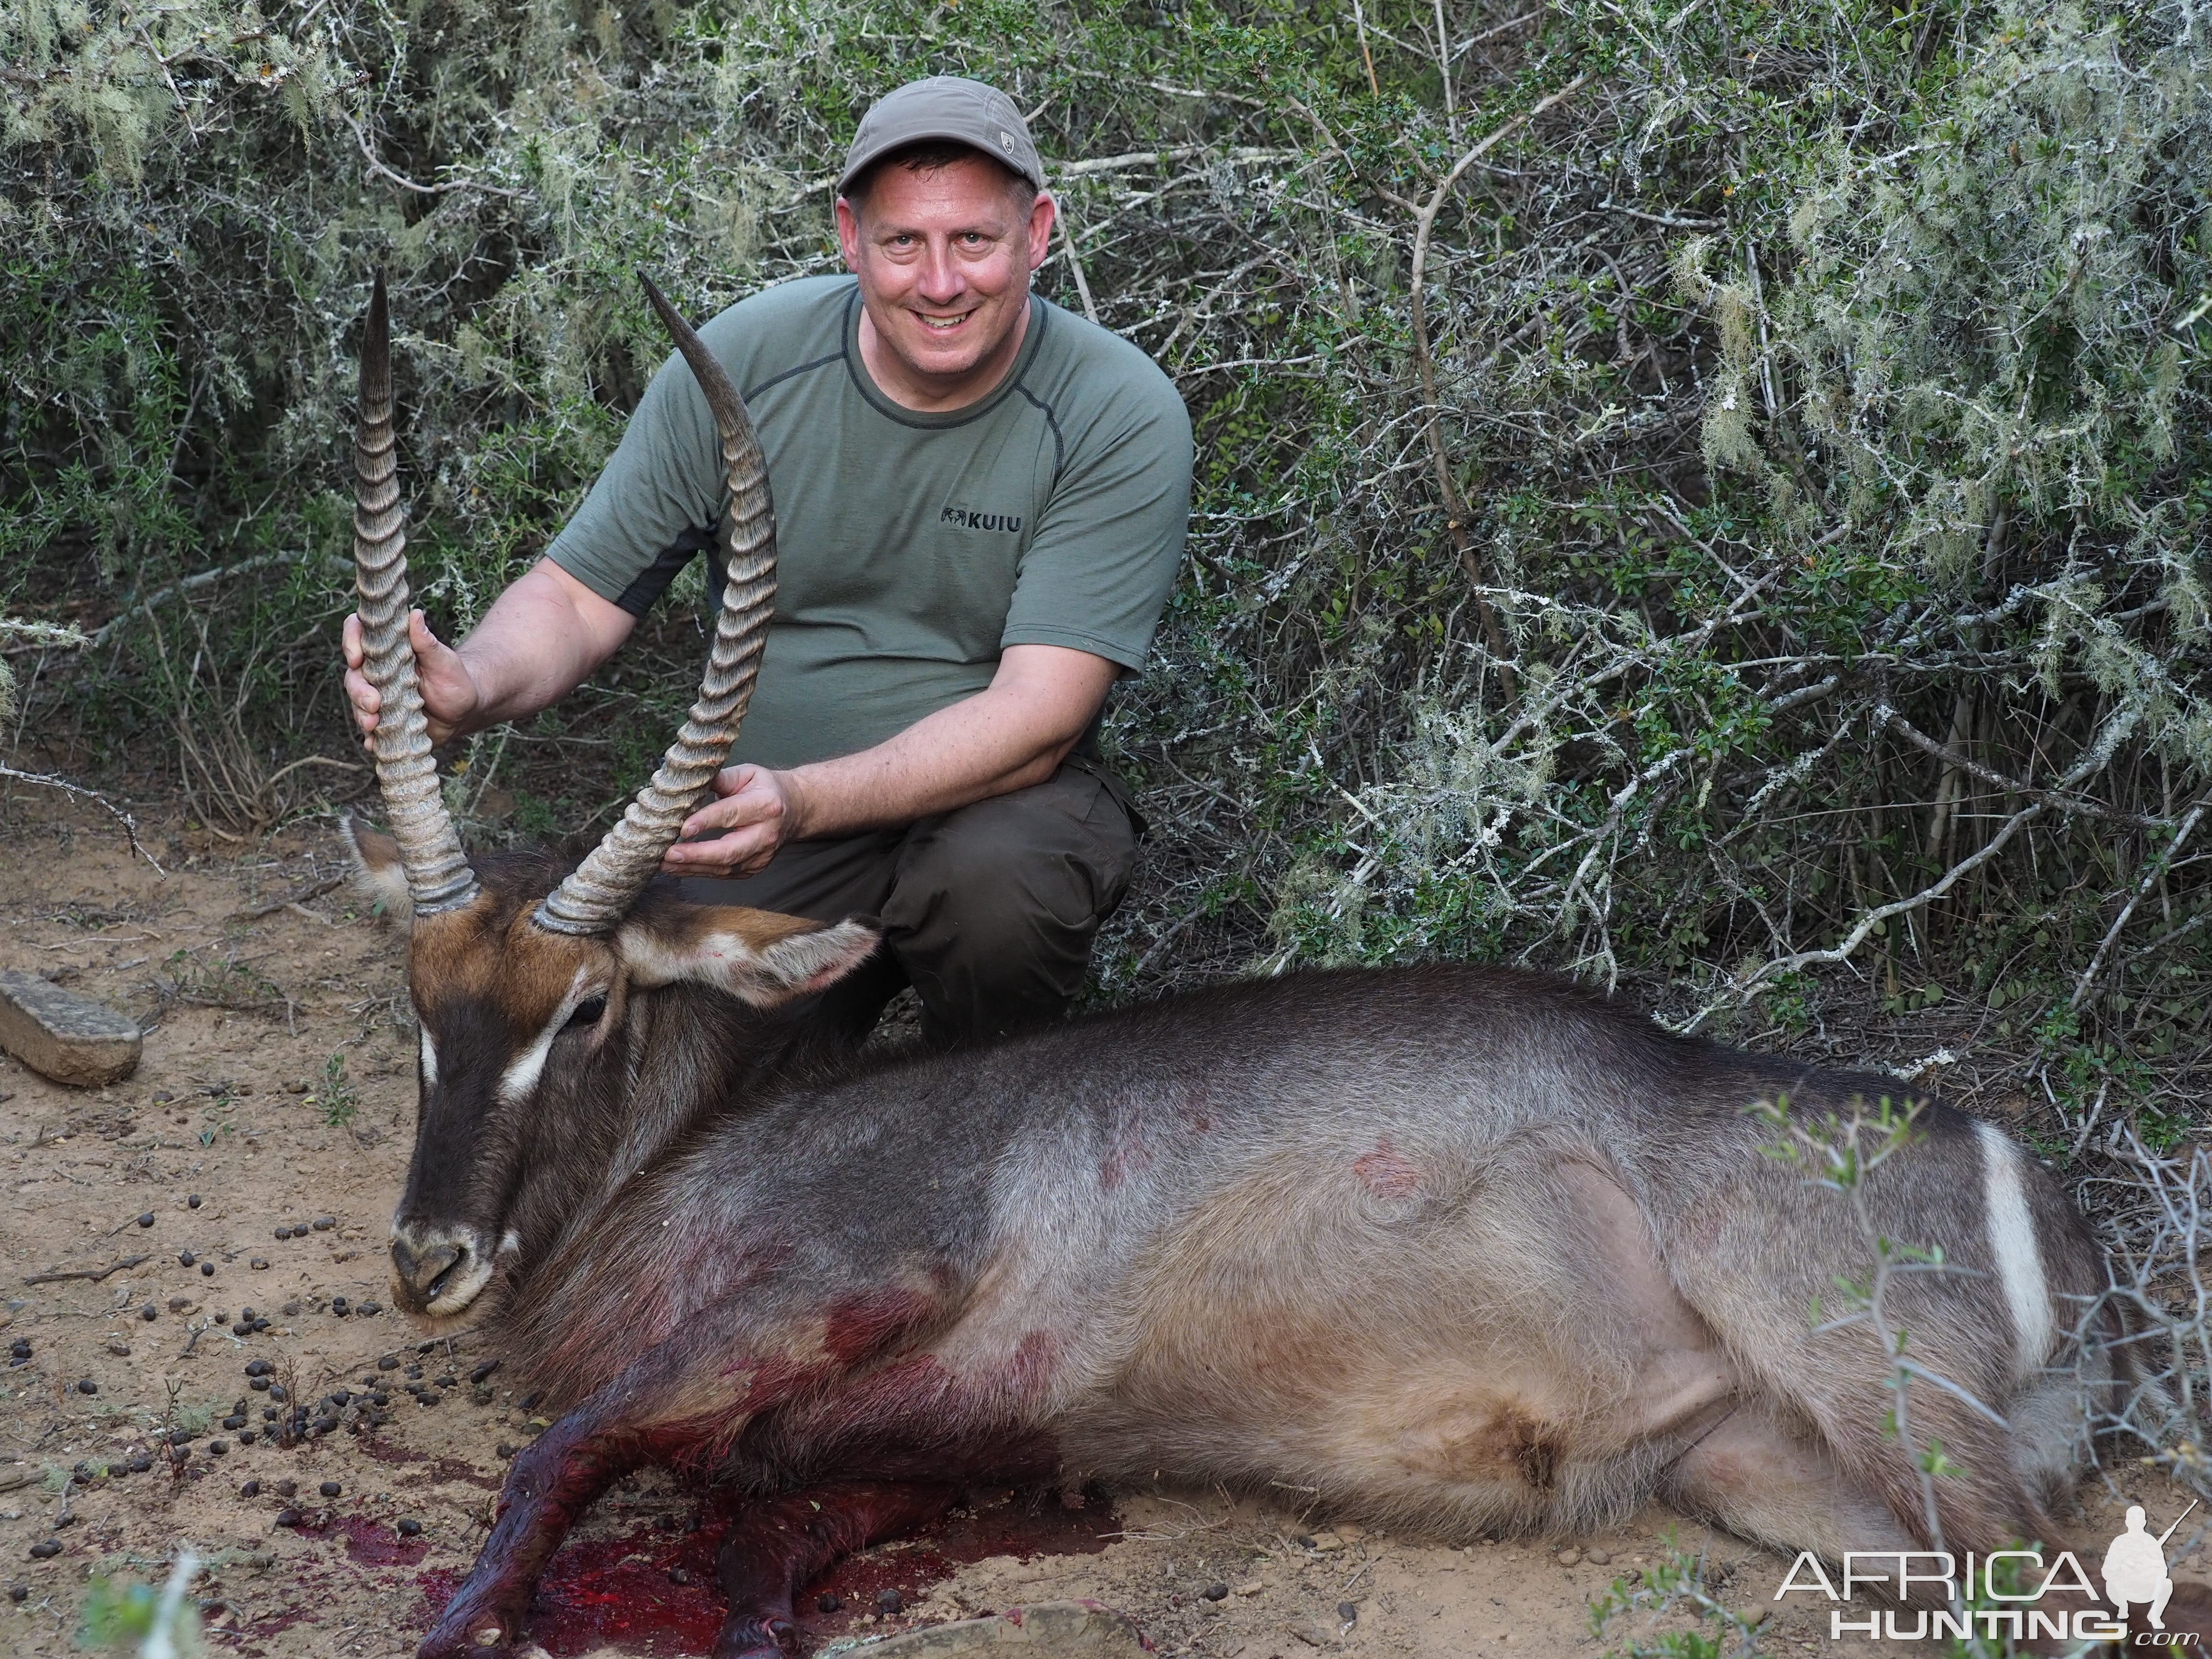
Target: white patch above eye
{"points": [[520, 1078], [429, 1060]]}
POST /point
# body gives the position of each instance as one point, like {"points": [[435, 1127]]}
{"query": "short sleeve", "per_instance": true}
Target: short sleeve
{"points": [[1099, 571], [656, 501]]}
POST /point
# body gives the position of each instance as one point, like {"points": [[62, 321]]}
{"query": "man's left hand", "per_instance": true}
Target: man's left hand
{"points": [[754, 808]]}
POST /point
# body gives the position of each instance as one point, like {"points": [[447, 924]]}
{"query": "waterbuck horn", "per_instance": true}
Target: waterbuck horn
{"points": [[438, 873], [595, 898]]}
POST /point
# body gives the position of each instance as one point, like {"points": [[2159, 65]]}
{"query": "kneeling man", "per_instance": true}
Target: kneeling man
{"points": [[980, 501]]}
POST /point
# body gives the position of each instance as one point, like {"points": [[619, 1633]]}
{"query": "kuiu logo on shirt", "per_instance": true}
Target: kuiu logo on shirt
{"points": [[969, 519]]}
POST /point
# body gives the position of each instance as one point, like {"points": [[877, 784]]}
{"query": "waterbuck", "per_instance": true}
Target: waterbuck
{"points": [[1457, 1249]]}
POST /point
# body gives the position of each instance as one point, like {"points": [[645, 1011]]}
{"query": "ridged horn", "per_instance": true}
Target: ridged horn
{"points": [[596, 897], [438, 873]]}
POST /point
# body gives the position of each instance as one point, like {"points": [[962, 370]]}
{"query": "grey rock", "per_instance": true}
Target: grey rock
{"points": [[65, 1036]]}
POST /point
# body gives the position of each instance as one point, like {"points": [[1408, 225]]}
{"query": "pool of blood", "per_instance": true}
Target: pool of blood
{"points": [[618, 1592]]}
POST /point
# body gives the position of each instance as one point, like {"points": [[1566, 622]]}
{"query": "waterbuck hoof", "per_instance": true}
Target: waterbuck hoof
{"points": [[750, 1637], [465, 1633]]}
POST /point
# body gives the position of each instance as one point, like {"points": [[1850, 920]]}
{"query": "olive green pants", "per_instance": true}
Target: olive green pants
{"points": [[988, 911]]}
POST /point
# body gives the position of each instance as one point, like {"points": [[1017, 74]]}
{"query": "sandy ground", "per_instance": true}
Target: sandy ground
{"points": [[277, 1092]]}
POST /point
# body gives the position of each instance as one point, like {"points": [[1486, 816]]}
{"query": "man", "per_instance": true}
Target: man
{"points": [[980, 502]]}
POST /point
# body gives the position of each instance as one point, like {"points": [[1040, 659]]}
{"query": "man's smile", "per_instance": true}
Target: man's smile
{"points": [[946, 324]]}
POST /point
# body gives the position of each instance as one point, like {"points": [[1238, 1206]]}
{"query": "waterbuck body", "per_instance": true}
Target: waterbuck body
{"points": [[1452, 1247], [1461, 1250]]}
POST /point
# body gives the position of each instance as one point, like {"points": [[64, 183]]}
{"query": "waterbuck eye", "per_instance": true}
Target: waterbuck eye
{"points": [[587, 1012]]}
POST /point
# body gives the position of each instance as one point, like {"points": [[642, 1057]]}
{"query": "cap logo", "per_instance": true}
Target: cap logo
{"points": [[1006, 140]]}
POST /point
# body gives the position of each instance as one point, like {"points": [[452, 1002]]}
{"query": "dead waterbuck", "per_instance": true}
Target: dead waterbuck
{"points": [[1456, 1248]]}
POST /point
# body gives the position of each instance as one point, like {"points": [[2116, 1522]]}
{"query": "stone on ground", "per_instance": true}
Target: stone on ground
{"points": [[1050, 1630], [65, 1036]]}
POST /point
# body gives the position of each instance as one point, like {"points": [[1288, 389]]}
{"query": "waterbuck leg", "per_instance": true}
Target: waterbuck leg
{"points": [[775, 1547], [552, 1483], [1753, 1476], [682, 1394]]}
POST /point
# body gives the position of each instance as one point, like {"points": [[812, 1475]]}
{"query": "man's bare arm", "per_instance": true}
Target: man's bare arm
{"points": [[536, 644], [1013, 733]]}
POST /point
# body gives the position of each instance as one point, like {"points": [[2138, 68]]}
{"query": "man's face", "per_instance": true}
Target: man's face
{"points": [[944, 258]]}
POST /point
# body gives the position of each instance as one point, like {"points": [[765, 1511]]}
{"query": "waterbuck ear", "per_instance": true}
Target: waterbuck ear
{"points": [[756, 956], [378, 874]]}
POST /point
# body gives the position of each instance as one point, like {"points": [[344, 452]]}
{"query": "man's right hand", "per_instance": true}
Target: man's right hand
{"points": [[450, 698]]}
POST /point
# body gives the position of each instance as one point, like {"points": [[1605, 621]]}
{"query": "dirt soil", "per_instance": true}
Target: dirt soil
{"points": [[277, 1095]]}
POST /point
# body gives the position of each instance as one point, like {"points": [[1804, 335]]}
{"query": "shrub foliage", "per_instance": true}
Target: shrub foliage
{"points": [[1710, 494]]}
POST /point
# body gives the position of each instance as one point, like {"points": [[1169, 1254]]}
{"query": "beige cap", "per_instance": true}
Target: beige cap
{"points": [[945, 106]]}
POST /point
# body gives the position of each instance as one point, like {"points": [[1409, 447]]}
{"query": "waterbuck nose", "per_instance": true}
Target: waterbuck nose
{"points": [[420, 1270]]}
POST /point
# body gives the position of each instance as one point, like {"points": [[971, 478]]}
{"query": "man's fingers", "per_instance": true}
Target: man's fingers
{"points": [[734, 812], [350, 642], [742, 853]]}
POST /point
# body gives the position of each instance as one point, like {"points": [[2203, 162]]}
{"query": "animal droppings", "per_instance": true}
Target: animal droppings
{"points": [[1216, 1592], [251, 1489], [86, 1385], [207, 1269], [408, 1527], [120, 1350], [1597, 1558], [192, 1201], [220, 1448], [890, 1600], [826, 1602], [185, 1258], [45, 1549], [146, 1220], [259, 1263], [150, 1313], [19, 1592], [323, 1223], [65, 1036], [329, 1489], [287, 1488]]}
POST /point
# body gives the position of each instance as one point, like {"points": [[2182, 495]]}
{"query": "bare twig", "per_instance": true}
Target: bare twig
{"points": [[1425, 361], [130, 824], [95, 1274]]}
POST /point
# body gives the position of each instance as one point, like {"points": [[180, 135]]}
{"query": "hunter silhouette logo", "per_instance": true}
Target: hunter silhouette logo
{"points": [[2133, 1570]]}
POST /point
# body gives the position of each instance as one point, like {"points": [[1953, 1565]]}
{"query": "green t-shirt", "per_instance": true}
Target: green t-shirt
{"points": [[912, 548]]}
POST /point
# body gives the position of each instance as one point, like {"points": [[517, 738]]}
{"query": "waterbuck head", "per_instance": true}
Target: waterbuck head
{"points": [[525, 978]]}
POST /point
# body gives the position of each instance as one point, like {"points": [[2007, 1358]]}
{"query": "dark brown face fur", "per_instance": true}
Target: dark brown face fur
{"points": [[507, 1009], [500, 1002]]}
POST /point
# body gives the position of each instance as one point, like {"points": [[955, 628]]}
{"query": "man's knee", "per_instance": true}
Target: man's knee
{"points": [[995, 906], [1048, 862]]}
